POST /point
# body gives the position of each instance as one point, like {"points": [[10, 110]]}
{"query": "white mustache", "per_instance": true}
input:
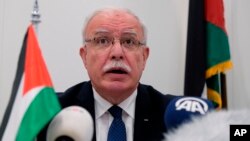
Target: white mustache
{"points": [[116, 64]]}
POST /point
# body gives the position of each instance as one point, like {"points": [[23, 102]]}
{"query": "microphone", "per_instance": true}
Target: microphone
{"points": [[181, 109], [214, 126], [73, 123]]}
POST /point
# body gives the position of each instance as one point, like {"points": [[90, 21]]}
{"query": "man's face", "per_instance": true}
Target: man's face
{"points": [[111, 66]]}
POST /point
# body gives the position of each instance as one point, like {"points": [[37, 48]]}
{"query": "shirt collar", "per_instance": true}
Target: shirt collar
{"points": [[102, 105]]}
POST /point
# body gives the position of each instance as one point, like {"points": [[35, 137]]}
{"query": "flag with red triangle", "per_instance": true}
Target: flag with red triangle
{"points": [[33, 102]]}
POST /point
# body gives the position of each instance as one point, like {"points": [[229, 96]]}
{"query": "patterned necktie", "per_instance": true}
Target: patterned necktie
{"points": [[117, 130]]}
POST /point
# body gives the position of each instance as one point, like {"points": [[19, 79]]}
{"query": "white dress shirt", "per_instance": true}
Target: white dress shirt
{"points": [[103, 118]]}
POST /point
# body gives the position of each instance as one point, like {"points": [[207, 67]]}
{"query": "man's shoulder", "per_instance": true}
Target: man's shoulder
{"points": [[153, 98], [72, 94], [77, 87], [155, 93]]}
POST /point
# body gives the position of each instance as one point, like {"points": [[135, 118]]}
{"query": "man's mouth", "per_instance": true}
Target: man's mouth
{"points": [[117, 71]]}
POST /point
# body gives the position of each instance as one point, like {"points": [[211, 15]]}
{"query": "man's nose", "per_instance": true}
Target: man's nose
{"points": [[117, 51]]}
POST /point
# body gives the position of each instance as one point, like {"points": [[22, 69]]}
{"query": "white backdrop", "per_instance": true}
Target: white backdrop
{"points": [[166, 20]]}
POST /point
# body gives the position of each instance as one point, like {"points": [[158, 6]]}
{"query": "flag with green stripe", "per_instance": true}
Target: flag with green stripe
{"points": [[218, 54], [208, 53], [33, 102]]}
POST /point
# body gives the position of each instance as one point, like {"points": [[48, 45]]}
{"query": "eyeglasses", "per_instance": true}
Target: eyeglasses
{"points": [[102, 42]]}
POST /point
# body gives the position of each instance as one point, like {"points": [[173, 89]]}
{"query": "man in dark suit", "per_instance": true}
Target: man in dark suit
{"points": [[115, 55]]}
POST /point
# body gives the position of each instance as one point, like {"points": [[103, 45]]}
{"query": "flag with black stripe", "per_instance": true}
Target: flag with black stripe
{"points": [[207, 54], [33, 102]]}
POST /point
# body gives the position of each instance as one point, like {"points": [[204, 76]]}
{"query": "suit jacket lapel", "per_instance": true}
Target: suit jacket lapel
{"points": [[142, 128], [142, 116], [86, 99], [143, 111]]}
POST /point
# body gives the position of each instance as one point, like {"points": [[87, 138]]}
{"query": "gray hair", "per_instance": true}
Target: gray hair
{"points": [[110, 9]]}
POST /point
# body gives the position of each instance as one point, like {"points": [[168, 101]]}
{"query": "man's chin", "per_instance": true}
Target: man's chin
{"points": [[117, 86]]}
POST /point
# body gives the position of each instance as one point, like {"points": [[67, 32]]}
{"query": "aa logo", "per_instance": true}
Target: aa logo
{"points": [[192, 104]]}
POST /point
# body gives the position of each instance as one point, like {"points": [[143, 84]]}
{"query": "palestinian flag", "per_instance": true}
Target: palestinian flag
{"points": [[208, 54], [33, 102]]}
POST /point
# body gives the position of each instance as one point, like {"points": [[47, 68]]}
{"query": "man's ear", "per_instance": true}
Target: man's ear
{"points": [[146, 51], [83, 54]]}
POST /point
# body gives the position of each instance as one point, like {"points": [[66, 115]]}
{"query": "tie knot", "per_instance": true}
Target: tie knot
{"points": [[115, 111]]}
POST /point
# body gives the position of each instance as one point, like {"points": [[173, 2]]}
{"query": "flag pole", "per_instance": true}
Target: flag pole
{"points": [[35, 16], [35, 20], [223, 90]]}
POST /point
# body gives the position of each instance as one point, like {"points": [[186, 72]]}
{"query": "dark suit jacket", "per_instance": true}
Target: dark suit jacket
{"points": [[149, 109]]}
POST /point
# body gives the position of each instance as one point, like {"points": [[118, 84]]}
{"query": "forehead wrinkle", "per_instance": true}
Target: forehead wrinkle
{"points": [[116, 26], [118, 14], [101, 30], [128, 31]]}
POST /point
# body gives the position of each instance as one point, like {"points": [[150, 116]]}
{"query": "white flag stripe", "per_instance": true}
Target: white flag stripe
{"points": [[20, 106]]}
